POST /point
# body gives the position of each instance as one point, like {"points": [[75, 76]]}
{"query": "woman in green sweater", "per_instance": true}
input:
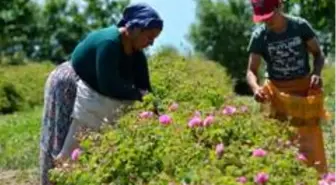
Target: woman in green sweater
{"points": [[107, 69]]}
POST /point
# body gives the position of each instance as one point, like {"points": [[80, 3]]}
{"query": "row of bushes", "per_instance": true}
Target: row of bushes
{"points": [[204, 135], [328, 75], [21, 86]]}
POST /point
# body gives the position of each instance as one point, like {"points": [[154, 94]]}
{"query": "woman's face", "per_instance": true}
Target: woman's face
{"points": [[271, 22], [145, 38]]}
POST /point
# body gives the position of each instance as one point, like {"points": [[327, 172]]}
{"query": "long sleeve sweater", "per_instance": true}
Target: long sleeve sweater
{"points": [[100, 61]]}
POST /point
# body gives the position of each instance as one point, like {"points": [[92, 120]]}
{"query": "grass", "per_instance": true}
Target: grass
{"points": [[20, 132], [19, 147], [19, 177], [329, 133], [19, 139]]}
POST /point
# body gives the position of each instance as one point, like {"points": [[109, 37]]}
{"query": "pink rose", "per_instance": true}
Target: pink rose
{"points": [[208, 120], [261, 178], [242, 180], [195, 121], [145, 115], [165, 119], [301, 157], [323, 182], [219, 149], [259, 152], [229, 110], [329, 177], [173, 107], [75, 154]]}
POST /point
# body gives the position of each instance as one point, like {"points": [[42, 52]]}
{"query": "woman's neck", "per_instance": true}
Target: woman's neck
{"points": [[126, 41], [282, 24]]}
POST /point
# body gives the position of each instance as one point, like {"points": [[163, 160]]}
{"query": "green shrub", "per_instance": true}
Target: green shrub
{"points": [[17, 58], [21, 86], [144, 151], [202, 83], [328, 75], [329, 132]]}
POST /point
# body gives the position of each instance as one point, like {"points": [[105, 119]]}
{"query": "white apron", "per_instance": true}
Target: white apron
{"points": [[91, 110]]}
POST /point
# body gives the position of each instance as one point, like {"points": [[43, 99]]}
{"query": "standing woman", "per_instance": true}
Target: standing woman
{"points": [[285, 42], [108, 69]]}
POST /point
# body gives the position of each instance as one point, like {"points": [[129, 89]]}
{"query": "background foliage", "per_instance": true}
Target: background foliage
{"points": [[52, 30]]}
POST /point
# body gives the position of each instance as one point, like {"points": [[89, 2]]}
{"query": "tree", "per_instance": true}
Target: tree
{"points": [[321, 14], [166, 50], [222, 33], [17, 23], [71, 22], [52, 30]]}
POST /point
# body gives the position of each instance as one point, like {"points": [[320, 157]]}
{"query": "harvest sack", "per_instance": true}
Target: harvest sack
{"points": [[295, 100], [304, 106]]}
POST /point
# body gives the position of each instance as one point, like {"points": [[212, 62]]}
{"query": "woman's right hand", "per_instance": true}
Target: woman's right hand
{"points": [[143, 92], [260, 96]]}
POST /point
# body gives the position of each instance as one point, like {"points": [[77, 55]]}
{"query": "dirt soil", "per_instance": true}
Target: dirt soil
{"points": [[19, 177]]}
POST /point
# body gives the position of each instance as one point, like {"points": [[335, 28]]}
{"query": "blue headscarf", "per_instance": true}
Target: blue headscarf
{"points": [[140, 15]]}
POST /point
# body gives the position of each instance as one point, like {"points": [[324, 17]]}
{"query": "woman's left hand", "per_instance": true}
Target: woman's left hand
{"points": [[315, 81]]}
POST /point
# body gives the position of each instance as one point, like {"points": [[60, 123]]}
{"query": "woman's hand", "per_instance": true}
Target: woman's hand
{"points": [[155, 103], [259, 95], [143, 92], [315, 81]]}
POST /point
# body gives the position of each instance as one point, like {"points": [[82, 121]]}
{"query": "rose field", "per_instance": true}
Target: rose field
{"points": [[204, 133]]}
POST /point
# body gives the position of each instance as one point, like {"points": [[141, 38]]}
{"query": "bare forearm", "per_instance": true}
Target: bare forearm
{"points": [[315, 49], [318, 64], [252, 80], [252, 71]]}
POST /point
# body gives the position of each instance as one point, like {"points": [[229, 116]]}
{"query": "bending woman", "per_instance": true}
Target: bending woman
{"points": [[108, 69]]}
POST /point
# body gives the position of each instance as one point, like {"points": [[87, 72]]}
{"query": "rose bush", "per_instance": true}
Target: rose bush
{"points": [[203, 135]]}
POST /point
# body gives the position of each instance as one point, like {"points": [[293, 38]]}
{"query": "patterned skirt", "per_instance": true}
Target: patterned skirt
{"points": [[59, 99]]}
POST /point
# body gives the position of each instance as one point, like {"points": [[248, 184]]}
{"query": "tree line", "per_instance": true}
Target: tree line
{"points": [[51, 30]]}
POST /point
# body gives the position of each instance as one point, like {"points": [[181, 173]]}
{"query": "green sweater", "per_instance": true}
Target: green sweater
{"points": [[100, 61]]}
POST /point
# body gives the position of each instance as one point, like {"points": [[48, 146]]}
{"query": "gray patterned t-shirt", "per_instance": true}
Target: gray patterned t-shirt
{"points": [[285, 53]]}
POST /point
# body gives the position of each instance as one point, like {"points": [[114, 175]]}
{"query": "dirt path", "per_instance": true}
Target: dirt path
{"points": [[18, 177]]}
